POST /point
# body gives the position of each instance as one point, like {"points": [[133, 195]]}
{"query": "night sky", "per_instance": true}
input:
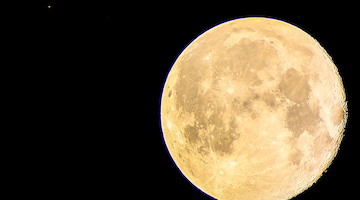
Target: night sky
{"points": [[91, 80]]}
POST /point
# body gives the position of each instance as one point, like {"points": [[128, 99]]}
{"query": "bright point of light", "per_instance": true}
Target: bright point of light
{"points": [[230, 90]]}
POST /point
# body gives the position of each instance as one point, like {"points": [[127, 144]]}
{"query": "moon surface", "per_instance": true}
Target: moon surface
{"points": [[253, 109]]}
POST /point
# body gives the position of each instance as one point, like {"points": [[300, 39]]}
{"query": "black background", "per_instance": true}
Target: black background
{"points": [[91, 76]]}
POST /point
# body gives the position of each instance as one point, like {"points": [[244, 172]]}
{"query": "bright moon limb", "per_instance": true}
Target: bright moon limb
{"points": [[253, 109]]}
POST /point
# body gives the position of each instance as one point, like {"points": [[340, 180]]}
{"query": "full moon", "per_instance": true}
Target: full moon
{"points": [[253, 109]]}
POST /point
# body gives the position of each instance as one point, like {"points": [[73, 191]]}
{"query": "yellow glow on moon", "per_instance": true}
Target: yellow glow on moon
{"points": [[253, 109]]}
